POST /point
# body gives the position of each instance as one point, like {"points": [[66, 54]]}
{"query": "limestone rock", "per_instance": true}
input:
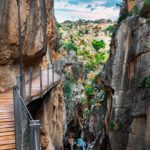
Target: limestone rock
{"points": [[51, 112], [128, 66], [38, 29]]}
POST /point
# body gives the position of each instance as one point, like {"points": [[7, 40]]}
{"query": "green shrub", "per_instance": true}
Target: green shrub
{"points": [[86, 31], [91, 65], [89, 90], [68, 89], [98, 44], [147, 2], [136, 11], [145, 83], [69, 46], [112, 125], [110, 29]]}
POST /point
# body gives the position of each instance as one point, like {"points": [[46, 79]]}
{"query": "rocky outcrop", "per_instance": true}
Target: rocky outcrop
{"points": [[50, 110], [131, 5], [38, 30], [128, 69]]}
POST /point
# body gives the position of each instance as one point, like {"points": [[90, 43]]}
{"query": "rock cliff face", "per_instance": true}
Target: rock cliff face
{"points": [[38, 31], [52, 114], [126, 71]]}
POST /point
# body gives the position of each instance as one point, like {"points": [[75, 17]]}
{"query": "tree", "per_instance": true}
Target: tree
{"points": [[98, 44], [110, 29], [69, 46]]}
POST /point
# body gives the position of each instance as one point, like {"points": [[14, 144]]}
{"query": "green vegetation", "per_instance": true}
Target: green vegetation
{"points": [[89, 90], [147, 2], [97, 45], [82, 84], [69, 46], [86, 31], [68, 89], [112, 125], [119, 125], [136, 11], [124, 13], [145, 82], [110, 29]]}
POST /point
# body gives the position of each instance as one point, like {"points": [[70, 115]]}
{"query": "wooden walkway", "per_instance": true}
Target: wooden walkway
{"points": [[7, 128]]}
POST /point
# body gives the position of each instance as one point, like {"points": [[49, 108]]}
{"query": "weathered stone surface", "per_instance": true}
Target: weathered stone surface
{"points": [[38, 29], [52, 114], [130, 64], [145, 10], [131, 4]]}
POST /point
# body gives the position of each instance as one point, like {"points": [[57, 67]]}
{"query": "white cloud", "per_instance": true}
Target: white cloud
{"points": [[66, 11]]}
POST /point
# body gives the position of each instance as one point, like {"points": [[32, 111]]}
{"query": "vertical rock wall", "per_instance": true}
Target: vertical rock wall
{"points": [[38, 30], [128, 67], [50, 110]]}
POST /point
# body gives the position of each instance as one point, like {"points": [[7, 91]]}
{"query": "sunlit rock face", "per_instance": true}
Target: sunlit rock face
{"points": [[140, 4], [38, 29], [125, 71], [131, 5]]}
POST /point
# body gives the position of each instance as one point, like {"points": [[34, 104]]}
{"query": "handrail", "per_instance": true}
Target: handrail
{"points": [[27, 129], [31, 118], [55, 67]]}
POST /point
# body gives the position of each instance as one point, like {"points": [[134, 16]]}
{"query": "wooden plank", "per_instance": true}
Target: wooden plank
{"points": [[10, 133], [6, 141], [7, 120], [8, 123], [7, 137], [8, 147], [7, 126], [2, 130]]}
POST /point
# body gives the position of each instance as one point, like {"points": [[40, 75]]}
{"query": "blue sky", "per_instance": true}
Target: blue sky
{"points": [[86, 9]]}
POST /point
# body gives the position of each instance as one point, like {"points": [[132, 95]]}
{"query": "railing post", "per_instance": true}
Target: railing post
{"points": [[34, 135], [21, 85], [48, 75], [30, 82], [17, 115], [40, 75]]}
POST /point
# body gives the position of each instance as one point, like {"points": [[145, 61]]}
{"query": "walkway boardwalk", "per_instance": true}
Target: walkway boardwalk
{"points": [[7, 128]]}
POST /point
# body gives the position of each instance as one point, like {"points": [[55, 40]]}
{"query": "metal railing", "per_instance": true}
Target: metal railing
{"points": [[48, 77], [28, 129]]}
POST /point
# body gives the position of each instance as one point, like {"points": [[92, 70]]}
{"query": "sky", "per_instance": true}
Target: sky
{"points": [[86, 9]]}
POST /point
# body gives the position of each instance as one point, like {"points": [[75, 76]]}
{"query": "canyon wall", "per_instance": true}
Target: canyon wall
{"points": [[38, 33], [128, 73], [51, 112]]}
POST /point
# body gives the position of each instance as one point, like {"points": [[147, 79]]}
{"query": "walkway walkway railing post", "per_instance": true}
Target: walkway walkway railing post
{"points": [[27, 129], [17, 121], [35, 135], [21, 85]]}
